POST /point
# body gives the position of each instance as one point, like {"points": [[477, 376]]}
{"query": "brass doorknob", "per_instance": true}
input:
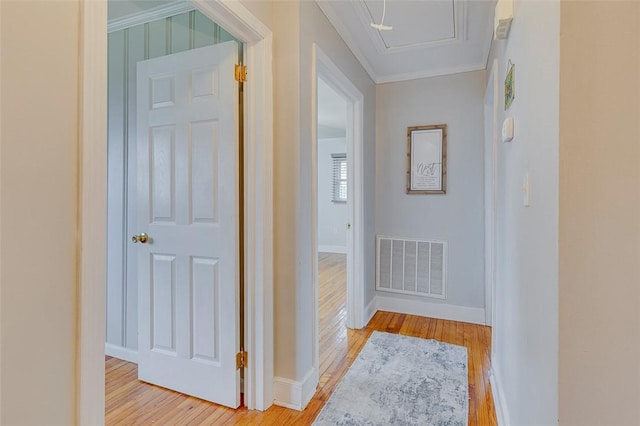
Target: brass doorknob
{"points": [[142, 238]]}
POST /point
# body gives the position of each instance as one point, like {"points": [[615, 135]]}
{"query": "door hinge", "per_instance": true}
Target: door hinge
{"points": [[242, 358], [241, 73]]}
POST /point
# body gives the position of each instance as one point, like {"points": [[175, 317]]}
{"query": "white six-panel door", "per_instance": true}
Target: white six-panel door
{"points": [[188, 206]]}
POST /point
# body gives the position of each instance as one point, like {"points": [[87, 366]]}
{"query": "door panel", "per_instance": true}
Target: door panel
{"points": [[162, 174], [205, 321], [163, 304], [204, 182], [187, 199]]}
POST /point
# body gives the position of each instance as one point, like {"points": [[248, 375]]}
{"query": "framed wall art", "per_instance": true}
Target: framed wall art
{"points": [[509, 85], [427, 159]]}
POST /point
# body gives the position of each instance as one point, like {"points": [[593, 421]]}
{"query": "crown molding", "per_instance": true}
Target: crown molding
{"points": [[486, 47], [334, 19], [392, 78], [149, 15]]}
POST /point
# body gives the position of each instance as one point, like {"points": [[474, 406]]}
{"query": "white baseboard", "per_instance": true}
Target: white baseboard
{"points": [[430, 309], [497, 392], [332, 249], [370, 310], [121, 353], [295, 395]]}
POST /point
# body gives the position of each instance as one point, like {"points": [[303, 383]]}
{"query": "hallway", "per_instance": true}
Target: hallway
{"points": [[129, 401]]}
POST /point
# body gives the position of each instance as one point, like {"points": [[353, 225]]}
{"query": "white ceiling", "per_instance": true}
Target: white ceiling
{"points": [[332, 112], [429, 37]]}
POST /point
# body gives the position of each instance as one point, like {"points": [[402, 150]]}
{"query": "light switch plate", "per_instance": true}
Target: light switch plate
{"points": [[526, 189]]}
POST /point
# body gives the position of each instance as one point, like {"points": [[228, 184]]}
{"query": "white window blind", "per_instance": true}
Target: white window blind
{"points": [[339, 178]]}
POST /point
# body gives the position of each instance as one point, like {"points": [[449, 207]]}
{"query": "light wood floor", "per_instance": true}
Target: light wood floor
{"points": [[129, 401]]}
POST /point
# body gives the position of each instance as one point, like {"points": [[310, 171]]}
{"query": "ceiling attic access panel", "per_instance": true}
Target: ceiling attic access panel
{"points": [[415, 23]]}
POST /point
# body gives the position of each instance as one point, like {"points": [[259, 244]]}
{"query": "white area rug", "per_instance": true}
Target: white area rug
{"points": [[401, 380]]}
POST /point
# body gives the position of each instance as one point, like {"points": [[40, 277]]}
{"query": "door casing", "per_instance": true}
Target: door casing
{"points": [[491, 166], [92, 192], [323, 66]]}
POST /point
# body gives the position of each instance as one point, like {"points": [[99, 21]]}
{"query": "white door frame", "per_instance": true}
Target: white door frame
{"points": [[323, 66], [92, 190], [490, 186]]}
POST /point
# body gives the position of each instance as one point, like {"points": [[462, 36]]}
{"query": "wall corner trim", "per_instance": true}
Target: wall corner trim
{"points": [[295, 394], [430, 309], [92, 215], [370, 311], [497, 393]]}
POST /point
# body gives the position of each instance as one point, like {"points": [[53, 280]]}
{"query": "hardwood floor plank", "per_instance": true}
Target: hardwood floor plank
{"points": [[439, 327], [431, 332], [131, 402], [473, 412], [460, 333]]}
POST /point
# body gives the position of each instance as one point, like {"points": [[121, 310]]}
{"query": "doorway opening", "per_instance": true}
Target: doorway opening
{"points": [[337, 215], [333, 225]]}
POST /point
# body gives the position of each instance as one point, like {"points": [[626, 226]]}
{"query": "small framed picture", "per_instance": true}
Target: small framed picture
{"points": [[509, 86], [427, 159]]}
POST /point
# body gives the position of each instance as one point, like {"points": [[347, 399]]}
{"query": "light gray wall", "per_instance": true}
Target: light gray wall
{"points": [[526, 329], [332, 217], [127, 47], [457, 217]]}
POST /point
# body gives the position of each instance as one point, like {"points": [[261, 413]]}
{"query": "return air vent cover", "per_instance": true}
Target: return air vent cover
{"points": [[409, 266]]}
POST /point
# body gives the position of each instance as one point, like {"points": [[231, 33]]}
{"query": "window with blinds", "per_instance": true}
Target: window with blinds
{"points": [[339, 178]]}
